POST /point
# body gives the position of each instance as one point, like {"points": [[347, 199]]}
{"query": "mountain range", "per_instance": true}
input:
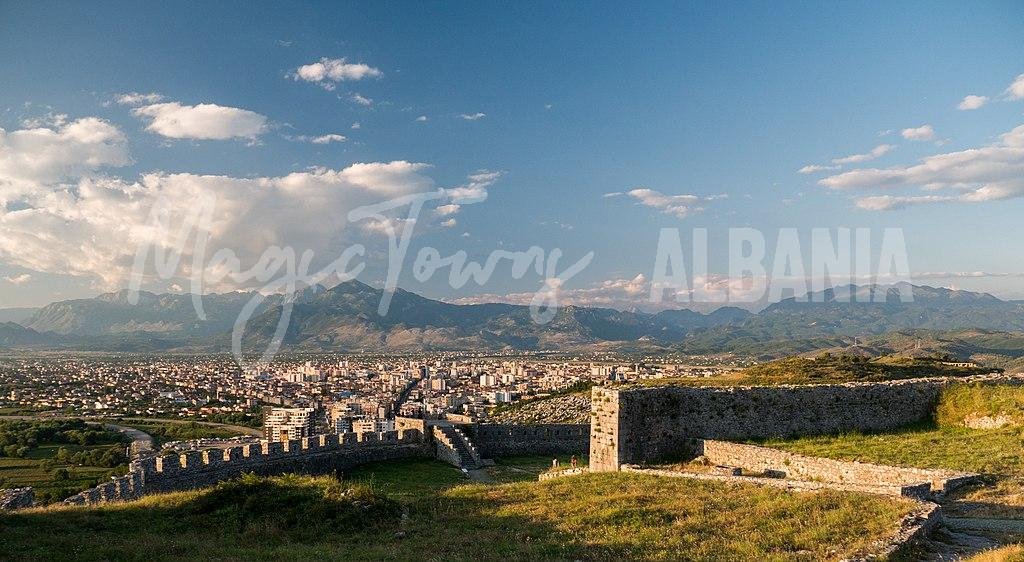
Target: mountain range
{"points": [[344, 318]]}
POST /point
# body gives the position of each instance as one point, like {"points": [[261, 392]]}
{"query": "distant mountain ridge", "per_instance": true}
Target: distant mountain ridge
{"points": [[344, 318]]}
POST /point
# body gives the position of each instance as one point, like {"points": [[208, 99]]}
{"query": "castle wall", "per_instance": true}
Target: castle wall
{"points": [[314, 455], [639, 425], [506, 440]]}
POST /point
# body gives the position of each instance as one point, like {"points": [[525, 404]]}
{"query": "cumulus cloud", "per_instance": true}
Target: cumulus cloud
{"points": [[987, 173], [327, 72], [42, 155], [135, 98], [972, 102], [680, 206], [18, 279], [93, 227], [473, 116], [1015, 91], [922, 133], [203, 121], [63, 212], [875, 152]]}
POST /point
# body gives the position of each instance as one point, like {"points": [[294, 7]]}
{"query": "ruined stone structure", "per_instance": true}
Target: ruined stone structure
{"points": [[16, 498], [639, 425], [836, 474]]}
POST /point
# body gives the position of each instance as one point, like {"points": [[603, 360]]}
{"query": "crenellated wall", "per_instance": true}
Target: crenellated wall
{"points": [[503, 440], [314, 455], [639, 425]]}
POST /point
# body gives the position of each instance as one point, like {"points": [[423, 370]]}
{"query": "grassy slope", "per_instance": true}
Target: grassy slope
{"points": [[947, 444], [830, 369], [601, 516]]}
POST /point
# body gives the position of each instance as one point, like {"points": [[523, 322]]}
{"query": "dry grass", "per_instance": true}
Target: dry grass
{"points": [[1011, 553], [592, 517]]}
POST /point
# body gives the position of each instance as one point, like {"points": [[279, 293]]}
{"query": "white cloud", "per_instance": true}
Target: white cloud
{"points": [[135, 98], [922, 133], [621, 293], [1015, 91], [680, 206], [812, 168], [203, 121], [475, 190], [445, 210], [422, 118], [473, 116], [987, 173], [328, 71], [612, 194], [360, 99], [356, 126], [972, 102], [42, 155], [91, 227], [875, 152], [18, 279], [449, 223], [322, 139]]}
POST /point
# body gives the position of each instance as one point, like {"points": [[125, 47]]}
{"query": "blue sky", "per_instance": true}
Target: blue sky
{"points": [[571, 101]]}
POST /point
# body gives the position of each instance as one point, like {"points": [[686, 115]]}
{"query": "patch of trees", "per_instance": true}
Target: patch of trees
{"points": [[18, 437]]}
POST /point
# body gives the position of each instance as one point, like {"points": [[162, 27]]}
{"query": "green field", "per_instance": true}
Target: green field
{"points": [[426, 510], [58, 457], [31, 471]]}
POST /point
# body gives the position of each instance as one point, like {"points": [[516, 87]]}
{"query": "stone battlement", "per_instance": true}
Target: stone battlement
{"points": [[313, 455]]}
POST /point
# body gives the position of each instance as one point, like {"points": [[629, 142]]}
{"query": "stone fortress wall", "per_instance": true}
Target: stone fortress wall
{"points": [[640, 425], [506, 440], [323, 454], [314, 455]]}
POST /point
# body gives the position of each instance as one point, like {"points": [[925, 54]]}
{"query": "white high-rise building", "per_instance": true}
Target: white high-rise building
{"points": [[282, 424]]}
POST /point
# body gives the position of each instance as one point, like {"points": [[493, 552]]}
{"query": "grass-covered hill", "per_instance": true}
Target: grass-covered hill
{"points": [[827, 368], [427, 511]]}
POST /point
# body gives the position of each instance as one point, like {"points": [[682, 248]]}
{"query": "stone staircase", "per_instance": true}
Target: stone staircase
{"points": [[454, 447]]}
